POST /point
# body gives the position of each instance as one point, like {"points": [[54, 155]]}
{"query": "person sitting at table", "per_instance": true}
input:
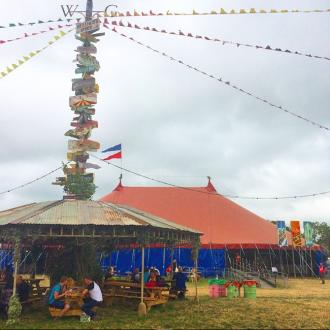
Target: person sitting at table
{"points": [[110, 273], [95, 297], [57, 293], [22, 289], [135, 277], [180, 283], [152, 282]]}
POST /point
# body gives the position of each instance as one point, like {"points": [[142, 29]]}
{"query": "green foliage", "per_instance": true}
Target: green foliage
{"points": [[14, 310], [322, 234], [74, 261], [78, 185]]}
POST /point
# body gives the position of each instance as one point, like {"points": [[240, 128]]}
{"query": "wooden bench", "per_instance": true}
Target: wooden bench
{"points": [[132, 291]]}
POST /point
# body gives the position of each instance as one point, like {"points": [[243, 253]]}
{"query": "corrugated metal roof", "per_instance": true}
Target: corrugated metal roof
{"points": [[78, 212]]}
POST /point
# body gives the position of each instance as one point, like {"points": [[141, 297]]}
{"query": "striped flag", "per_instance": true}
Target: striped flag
{"points": [[116, 155]]}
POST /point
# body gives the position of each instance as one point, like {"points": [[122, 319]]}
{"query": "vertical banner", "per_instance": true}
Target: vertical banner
{"points": [[282, 239], [308, 233], [296, 235]]}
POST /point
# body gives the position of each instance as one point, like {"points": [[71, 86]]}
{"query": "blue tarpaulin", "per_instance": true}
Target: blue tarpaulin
{"points": [[5, 258], [210, 261]]}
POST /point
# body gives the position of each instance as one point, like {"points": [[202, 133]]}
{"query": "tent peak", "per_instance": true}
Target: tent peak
{"points": [[210, 186]]}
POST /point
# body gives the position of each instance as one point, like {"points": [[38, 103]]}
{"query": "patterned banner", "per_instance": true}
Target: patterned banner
{"points": [[281, 229], [26, 35], [27, 57], [222, 11], [221, 80], [18, 24], [296, 235], [219, 41], [308, 233]]}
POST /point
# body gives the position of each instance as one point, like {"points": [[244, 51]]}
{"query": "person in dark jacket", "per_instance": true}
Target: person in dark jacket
{"points": [[22, 289], [180, 283]]}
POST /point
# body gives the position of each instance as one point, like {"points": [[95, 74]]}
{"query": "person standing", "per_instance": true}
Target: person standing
{"points": [[322, 272], [94, 298]]}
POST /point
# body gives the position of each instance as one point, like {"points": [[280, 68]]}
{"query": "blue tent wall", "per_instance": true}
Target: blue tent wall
{"points": [[320, 257], [5, 258], [210, 261]]}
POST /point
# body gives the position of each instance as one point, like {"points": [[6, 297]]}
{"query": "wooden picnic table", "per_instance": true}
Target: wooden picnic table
{"points": [[75, 300], [126, 290], [34, 284]]}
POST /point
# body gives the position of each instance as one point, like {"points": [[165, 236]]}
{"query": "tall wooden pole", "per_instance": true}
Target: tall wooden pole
{"points": [[142, 309]]}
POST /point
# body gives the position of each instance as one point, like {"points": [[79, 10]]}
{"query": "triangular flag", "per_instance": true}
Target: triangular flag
{"points": [[32, 54], [62, 33], [9, 70], [57, 37], [117, 147], [59, 20], [136, 13], [40, 22], [50, 42], [252, 11], [242, 11], [38, 51], [20, 62], [115, 156], [3, 74], [26, 58], [12, 24], [14, 66]]}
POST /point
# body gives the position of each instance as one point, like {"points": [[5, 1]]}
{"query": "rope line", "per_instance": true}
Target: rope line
{"points": [[30, 182], [221, 80], [27, 35], [211, 193], [219, 41]]}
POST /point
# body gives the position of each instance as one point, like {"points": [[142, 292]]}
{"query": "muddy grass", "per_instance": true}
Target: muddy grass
{"points": [[304, 305]]}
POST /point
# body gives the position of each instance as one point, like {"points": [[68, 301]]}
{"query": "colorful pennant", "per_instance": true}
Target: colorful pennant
{"points": [[281, 230], [26, 35], [226, 82], [308, 233], [222, 11], [296, 234], [220, 41], [25, 58], [38, 22]]}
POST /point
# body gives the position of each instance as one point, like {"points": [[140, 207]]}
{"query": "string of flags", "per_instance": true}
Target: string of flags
{"points": [[116, 155], [27, 57], [226, 82], [213, 193], [18, 24], [221, 11], [26, 35], [220, 41]]}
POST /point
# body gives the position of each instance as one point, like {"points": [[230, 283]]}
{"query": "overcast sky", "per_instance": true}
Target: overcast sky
{"points": [[175, 124]]}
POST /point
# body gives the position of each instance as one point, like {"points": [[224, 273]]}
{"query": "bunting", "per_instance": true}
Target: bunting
{"points": [[221, 11], [218, 40], [18, 24], [225, 82], [27, 35], [27, 57]]}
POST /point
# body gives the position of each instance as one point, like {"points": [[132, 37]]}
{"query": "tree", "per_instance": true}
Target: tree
{"points": [[322, 234]]}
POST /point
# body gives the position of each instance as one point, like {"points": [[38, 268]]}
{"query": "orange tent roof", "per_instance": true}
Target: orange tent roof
{"points": [[218, 218]]}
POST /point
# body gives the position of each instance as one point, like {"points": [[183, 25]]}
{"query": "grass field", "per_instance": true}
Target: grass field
{"points": [[304, 305]]}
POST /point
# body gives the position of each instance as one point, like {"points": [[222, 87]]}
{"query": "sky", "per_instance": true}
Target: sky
{"points": [[175, 124]]}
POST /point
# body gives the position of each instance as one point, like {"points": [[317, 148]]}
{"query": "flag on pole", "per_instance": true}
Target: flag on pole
{"points": [[114, 148], [117, 155]]}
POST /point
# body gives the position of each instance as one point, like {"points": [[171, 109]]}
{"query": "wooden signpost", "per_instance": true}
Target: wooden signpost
{"points": [[88, 26], [77, 183]]}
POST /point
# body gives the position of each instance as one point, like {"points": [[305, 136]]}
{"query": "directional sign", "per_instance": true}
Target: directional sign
{"points": [[83, 83], [85, 145], [86, 50], [87, 124], [92, 25], [88, 60], [82, 100]]}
